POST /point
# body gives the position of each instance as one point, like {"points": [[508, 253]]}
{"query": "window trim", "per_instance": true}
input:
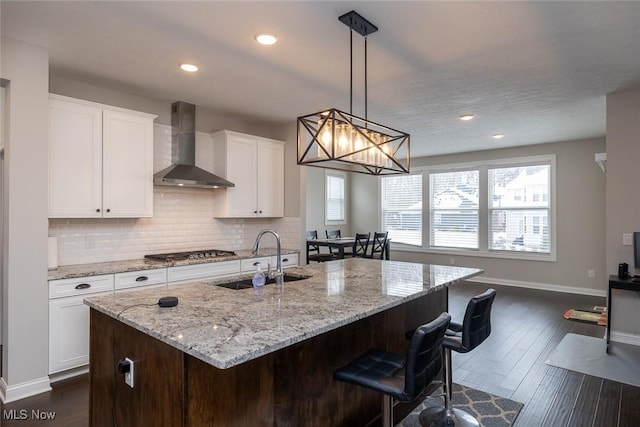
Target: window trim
{"points": [[337, 174], [483, 251]]}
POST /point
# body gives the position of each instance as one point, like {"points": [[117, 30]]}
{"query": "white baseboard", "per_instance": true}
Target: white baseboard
{"points": [[625, 338], [70, 373], [540, 286], [11, 393]]}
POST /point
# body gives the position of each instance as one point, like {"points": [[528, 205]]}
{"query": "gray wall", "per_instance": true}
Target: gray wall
{"points": [[623, 203], [580, 220], [24, 268]]}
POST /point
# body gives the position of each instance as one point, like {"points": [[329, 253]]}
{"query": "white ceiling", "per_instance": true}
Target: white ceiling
{"points": [[536, 71]]}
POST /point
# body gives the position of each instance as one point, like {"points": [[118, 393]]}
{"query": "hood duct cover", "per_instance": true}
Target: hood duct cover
{"points": [[183, 171]]}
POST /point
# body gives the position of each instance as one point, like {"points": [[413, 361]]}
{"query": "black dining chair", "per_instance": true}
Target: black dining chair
{"points": [[314, 250], [333, 234], [401, 377], [360, 246], [378, 245]]}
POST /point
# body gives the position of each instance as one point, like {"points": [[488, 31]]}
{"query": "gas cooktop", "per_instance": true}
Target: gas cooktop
{"points": [[179, 256]]}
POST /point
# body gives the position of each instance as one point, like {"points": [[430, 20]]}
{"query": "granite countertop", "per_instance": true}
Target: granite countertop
{"points": [[225, 327], [95, 269]]}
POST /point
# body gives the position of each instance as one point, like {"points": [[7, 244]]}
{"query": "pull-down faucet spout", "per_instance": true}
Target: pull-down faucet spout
{"points": [[278, 273]]}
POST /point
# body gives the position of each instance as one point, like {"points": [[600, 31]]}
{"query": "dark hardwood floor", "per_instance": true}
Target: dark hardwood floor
{"points": [[526, 326]]}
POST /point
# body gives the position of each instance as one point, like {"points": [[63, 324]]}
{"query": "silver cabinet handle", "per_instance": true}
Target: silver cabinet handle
{"points": [[83, 286]]}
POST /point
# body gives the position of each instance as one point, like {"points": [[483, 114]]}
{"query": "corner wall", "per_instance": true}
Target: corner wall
{"points": [[24, 269], [623, 205]]}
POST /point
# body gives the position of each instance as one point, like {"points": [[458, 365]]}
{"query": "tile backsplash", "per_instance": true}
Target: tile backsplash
{"points": [[183, 220]]}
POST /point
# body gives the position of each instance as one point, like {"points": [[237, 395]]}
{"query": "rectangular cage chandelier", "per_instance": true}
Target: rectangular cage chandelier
{"points": [[334, 139]]}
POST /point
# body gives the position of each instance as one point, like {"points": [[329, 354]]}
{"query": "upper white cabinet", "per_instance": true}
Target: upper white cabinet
{"points": [[256, 166], [100, 160]]}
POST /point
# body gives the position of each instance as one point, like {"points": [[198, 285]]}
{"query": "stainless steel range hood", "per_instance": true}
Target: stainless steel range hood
{"points": [[183, 171]]}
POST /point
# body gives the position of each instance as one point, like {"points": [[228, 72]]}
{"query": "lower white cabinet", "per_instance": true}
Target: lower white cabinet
{"points": [[68, 333], [69, 319]]}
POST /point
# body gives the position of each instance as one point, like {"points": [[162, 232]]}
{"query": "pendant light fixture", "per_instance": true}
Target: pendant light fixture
{"points": [[334, 139]]}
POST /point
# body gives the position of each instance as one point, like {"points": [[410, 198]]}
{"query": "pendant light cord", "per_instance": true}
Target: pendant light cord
{"points": [[351, 71], [365, 78]]}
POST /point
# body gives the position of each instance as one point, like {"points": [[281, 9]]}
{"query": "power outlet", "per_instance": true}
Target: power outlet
{"points": [[128, 376], [591, 274], [627, 239], [452, 261]]}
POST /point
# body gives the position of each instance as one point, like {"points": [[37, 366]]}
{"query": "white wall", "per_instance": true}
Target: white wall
{"points": [[580, 221], [623, 204], [24, 269]]}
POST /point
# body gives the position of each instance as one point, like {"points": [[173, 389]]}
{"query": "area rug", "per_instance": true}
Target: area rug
{"points": [[490, 410], [588, 355], [597, 315]]}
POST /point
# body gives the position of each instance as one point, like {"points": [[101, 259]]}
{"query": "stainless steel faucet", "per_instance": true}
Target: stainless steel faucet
{"points": [[278, 273]]}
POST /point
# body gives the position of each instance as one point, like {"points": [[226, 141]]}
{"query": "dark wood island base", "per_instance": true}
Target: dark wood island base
{"points": [[293, 386]]}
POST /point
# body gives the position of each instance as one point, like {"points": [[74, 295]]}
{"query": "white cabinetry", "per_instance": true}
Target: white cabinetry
{"points": [[100, 160], [69, 319], [256, 166], [143, 279], [188, 273]]}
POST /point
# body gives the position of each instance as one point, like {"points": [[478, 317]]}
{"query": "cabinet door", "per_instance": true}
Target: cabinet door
{"points": [[75, 160], [270, 183], [128, 165], [243, 170], [68, 333]]}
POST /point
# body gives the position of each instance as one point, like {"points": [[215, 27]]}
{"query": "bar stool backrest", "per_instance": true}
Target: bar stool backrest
{"points": [[424, 358], [476, 326]]}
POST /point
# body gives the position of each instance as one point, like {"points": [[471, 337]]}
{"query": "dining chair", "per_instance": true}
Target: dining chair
{"points": [[333, 234], [378, 245], [314, 250], [361, 245]]}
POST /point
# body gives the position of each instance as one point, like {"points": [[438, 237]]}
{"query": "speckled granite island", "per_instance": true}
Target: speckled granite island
{"points": [[255, 357]]}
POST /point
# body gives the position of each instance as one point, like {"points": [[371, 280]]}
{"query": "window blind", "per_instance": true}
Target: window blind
{"points": [[402, 208], [453, 219], [519, 208], [335, 198]]}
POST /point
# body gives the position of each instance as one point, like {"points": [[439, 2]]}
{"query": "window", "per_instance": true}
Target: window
{"points": [[335, 198], [496, 208], [401, 208], [517, 223], [454, 209]]}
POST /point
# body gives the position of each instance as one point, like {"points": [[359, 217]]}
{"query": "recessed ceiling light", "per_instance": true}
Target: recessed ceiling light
{"points": [[266, 39], [189, 67], [498, 135], [466, 117]]}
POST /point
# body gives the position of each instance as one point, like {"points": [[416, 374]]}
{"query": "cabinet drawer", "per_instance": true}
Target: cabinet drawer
{"points": [[80, 286], [250, 264], [201, 271], [135, 279], [288, 260]]}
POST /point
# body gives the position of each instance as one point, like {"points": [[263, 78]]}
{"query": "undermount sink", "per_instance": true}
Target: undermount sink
{"points": [[237, 284]]}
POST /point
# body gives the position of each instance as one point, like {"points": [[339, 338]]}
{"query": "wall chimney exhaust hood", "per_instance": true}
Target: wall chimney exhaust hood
{"points": [[183, 171]]}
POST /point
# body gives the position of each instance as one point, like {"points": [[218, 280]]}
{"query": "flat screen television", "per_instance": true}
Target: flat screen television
{"points": [[636, 249]]}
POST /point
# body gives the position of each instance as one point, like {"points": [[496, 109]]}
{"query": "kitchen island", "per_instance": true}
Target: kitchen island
{"points": [[257, 356]]}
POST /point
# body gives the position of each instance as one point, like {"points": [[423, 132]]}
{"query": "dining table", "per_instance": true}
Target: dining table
{"points": [[340, 243]]}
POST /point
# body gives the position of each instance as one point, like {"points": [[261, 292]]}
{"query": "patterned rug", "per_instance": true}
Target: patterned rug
{"points": [[490, 410]]}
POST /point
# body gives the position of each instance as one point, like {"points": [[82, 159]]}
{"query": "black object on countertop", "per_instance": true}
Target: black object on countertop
{"points": [[168, 301]]}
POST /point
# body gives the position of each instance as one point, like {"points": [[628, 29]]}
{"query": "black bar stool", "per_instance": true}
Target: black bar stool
{"points": [[400, 376], [463, 338]]}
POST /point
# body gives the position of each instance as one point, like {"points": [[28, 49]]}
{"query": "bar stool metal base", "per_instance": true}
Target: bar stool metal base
{"points": [[439, 416]]}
